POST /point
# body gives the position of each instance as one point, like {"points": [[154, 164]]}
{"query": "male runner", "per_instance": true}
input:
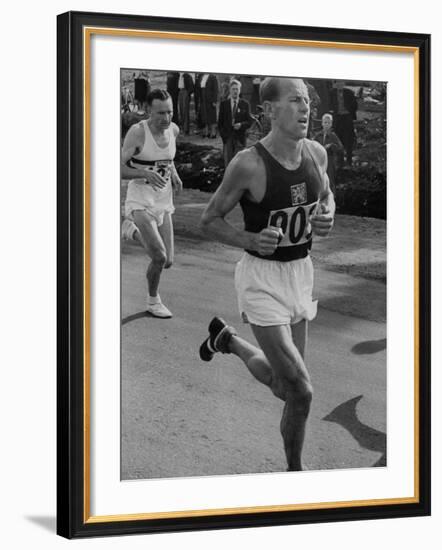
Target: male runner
{"points": [[147, 158], [282, 187]]}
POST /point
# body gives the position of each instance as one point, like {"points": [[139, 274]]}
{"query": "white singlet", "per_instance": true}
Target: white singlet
{"points": [[142, 196]]}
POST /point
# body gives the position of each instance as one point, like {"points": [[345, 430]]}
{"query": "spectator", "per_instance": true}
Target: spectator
{"points": [[344, 105], [332, 144], [255, 95], [141, 89], [233, 121], [209, 99], [197, 102], [186, 88], [246, 87], [172, 87], [225, 86], [127, 99]]}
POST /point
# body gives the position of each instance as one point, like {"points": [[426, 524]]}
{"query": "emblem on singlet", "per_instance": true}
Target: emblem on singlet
{"points": [[299, 193], [161, 167]]}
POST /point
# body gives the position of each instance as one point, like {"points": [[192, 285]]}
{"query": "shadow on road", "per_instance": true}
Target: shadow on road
{"points": [[353, 296], [139, 315], [368, 438], [134, 317], [370, 346]]}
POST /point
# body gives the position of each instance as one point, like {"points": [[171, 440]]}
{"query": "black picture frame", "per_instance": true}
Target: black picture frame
{"points": [[73, 518]]}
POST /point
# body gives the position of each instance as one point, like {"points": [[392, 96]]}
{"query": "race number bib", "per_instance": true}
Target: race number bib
{"points": [[294, 222], [161, 167]]}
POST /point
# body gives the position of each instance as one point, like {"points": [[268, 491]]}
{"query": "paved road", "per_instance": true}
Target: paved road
{"points": [[183, 417]]}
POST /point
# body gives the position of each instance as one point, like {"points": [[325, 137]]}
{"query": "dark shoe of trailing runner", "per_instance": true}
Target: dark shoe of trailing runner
{"points": [[220, 335]]}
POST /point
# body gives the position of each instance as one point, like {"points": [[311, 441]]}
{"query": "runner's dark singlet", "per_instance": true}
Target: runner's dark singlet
{"points": [[290, 199]]}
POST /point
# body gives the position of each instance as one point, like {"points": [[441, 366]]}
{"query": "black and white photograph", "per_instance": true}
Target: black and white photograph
{"points": [[243, 268], [253, 274], [157, 391]]}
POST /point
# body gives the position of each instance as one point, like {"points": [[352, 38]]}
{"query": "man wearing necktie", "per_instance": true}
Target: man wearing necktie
{"points": [[233, 121]]}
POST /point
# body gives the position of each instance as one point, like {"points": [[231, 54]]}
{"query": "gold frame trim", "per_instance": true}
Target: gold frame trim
{"points": [[87, 33], [87, 283]]}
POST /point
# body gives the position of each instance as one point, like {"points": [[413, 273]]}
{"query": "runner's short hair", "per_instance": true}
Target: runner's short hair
{"points": [[234, 82], [270, 88], [157, 93]]}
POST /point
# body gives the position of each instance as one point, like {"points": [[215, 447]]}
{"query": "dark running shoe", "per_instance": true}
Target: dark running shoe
{"points": [[220, 335]]}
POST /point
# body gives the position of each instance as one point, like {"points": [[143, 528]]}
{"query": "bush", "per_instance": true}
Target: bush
{"points": [[362, 193]]}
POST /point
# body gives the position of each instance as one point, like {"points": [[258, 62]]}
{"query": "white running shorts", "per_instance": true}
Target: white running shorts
{"points": [[275, 293], [154, 202]]}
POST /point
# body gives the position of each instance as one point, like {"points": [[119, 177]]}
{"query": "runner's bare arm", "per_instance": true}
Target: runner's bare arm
{"points": [[177, 184], [175, 129], [322, 221], [326, 197], [133, 144], [240, 174]]}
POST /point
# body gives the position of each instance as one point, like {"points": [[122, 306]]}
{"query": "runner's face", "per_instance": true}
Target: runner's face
{"points": [[292, 110], [161, 113]]}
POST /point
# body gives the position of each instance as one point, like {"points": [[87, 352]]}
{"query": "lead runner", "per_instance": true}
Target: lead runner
{"points": [[283, 189]]}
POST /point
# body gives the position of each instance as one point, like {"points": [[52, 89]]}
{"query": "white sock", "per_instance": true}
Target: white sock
{"points": [[154, 300]]}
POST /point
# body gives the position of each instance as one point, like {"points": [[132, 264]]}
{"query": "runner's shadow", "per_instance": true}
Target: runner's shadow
{"points": [[370, 346], [140, 315], [134, 317], [368, 438]]}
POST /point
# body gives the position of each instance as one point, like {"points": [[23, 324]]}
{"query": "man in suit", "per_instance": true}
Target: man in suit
{"points": [[186, 88], [172, 87], [345, 105], [209, 100], [233, 121], [198, 102], [141, 89]]}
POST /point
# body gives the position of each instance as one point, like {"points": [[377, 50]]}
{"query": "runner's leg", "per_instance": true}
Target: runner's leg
{"points": [[300, 336], [257, 363], [166, 232], [279, 365], [155, 248], [289, 369], [253, 358]]}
